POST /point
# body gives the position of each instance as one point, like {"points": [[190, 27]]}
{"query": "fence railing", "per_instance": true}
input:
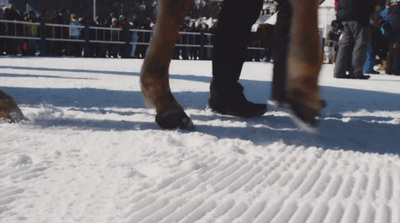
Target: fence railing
{"points": [[127, 40]]}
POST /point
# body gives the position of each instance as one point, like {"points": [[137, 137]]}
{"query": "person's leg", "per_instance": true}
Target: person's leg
{"points": [[390, 55], [396, 64], [381, 47], [368, 67], [230, 51], [361, 38], [343, 57], [231, 39]]}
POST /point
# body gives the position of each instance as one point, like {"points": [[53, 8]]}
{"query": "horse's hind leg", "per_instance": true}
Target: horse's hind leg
{"points": [[155, 70], [304, 63]]}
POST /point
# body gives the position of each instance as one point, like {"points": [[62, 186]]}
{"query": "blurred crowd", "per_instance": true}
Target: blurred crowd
{"points": [[76, 31], [378, 44]]}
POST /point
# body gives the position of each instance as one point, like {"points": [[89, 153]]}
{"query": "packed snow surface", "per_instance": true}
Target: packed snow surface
{"points": [[91, 151]]}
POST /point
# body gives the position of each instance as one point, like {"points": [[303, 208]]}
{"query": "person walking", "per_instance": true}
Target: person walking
{"points": [[230, 52], [354, 16], [226, 94]]}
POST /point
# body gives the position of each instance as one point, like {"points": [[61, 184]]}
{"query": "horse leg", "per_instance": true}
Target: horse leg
{"points": [[304, 63], [9, 109], [154, 77]]}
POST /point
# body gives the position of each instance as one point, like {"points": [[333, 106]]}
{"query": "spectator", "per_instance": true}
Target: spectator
{"points": [[99, 49], [13, 45], [46, 17], [75, 34], [193, 39], [375, 33], [107, 36], [254, 55], [135, 25], [31, 31], [3, 31], [124, 27], [382, 37], [144, 37], [113, 49], [13, 13], [210, 39], [393, 59], [180, 51], [61, 32], [185, 51], [354, 16]]}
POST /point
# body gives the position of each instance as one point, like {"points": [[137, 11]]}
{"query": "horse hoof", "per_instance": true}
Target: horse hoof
{"points": [[305, 117], [16, 115], [174, 120], [9, 109]]}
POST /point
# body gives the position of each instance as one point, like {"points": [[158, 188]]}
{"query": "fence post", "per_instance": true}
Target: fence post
{"points": [[87, 41], [42, 39], [202, 36]]}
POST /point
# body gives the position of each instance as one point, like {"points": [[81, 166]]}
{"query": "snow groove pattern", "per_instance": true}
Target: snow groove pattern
{"points": [[305, 188], [15, 168]]}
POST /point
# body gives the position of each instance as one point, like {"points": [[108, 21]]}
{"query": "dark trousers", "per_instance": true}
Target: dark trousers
{"points": [[393, 58], [231, 39], [230, 45], [352, 49]]}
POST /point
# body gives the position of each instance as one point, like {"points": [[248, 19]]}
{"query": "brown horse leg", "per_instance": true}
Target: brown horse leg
{"points": [[304, 63], [155, 70], [9, 109]]}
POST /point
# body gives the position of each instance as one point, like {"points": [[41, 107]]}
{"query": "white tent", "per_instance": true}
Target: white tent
{"points": [[4, 3], [326, 13], [272, 19], [328, 3]]}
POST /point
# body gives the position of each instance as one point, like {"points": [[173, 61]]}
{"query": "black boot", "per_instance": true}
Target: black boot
{"points": [[230, 100], [360, 76]]}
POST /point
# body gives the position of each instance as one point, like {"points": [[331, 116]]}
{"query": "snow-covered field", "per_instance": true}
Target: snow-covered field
{"points": [[91, 151]]}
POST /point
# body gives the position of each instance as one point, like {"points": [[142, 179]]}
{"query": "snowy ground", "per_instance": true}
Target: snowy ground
{"points": [[91, 151]]}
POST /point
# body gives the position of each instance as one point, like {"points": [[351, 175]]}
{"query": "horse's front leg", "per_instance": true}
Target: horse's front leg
{"points": [[155, 70], [9, 109], [304, 63]]}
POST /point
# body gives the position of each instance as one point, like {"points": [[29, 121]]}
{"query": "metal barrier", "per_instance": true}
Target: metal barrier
{"points": [[126, 39]]}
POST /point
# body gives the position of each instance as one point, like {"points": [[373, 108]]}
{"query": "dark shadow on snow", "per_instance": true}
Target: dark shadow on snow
{"points": [[100, 125], [78, 98], [42, 76], [357, 135], [69, 70], [187, 77]]}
